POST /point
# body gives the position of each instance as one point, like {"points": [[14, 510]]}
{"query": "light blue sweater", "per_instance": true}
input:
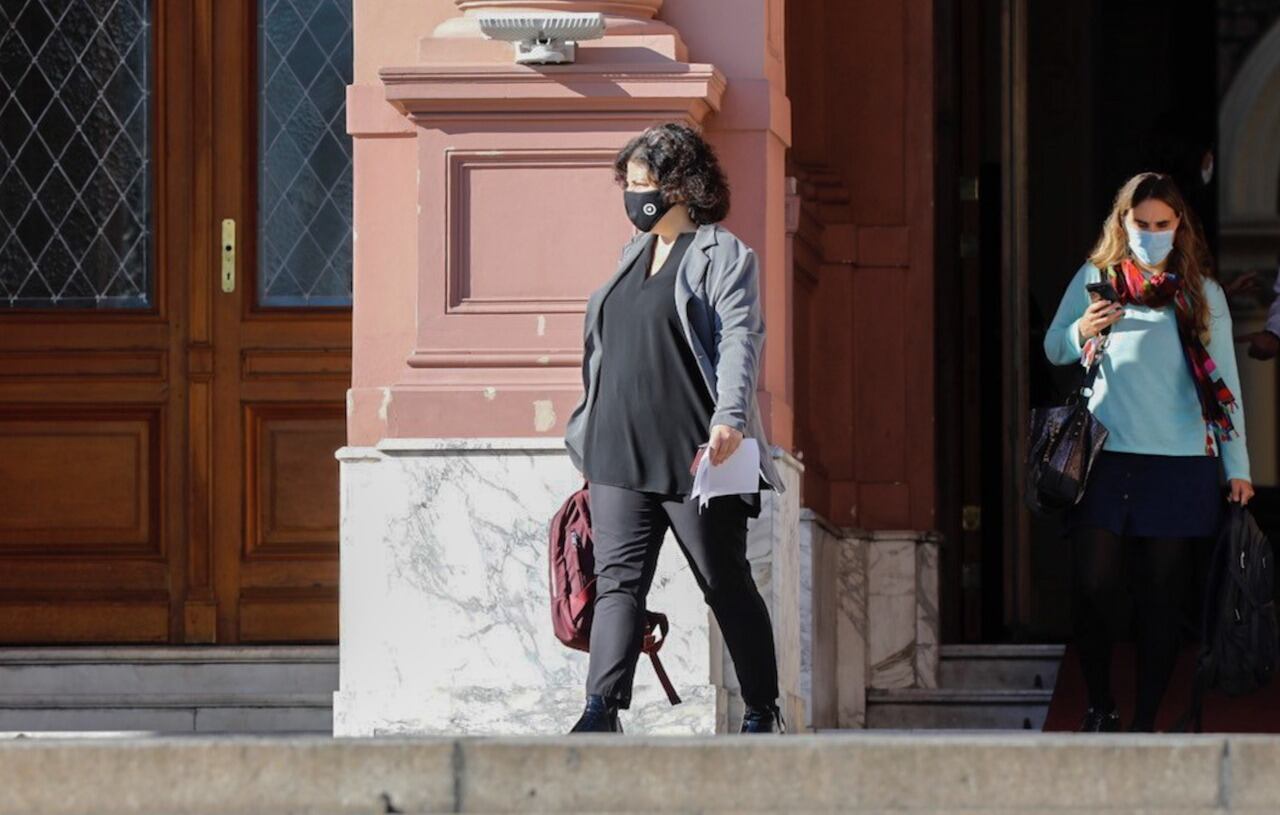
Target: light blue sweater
{"points": [[1144, 393]]}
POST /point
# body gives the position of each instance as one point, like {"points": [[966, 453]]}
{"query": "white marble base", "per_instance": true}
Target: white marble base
{"points": [[852, 631], [821, 546], [445, 617], [874, 616], [902, 609]]}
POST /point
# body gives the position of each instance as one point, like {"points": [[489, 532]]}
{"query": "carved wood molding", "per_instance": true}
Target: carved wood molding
{"points": [[143, 365]]}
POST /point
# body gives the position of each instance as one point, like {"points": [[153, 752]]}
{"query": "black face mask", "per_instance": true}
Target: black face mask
{"points": [[645, 209]]}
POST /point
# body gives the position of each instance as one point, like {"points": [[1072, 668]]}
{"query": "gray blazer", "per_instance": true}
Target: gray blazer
{"points": [[718, 303]]}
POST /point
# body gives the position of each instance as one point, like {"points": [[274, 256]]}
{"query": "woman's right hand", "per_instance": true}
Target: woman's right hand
{"points": [[1101, 314]]}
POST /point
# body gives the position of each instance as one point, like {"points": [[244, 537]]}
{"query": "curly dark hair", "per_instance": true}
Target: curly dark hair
{"points": [[683, 165]]}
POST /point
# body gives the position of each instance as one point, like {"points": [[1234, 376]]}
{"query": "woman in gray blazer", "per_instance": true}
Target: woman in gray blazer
{"points": [[672, 348]]}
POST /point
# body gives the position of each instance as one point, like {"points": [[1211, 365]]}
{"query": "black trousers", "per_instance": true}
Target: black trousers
{"points": [[627, 528]]}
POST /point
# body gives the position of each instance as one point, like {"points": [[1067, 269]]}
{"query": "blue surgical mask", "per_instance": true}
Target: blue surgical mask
{"points": [[1150, 248]]}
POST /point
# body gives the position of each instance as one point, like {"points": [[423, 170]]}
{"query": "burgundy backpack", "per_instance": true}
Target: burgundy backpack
{"points": [[573, 586]]}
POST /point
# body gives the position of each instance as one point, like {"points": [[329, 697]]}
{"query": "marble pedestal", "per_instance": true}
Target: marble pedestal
{"points": [[445, 622], [873, 614]]}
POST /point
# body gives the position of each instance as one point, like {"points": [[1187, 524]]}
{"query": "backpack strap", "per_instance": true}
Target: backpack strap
{"points": [[664, 680], [656, 628]]}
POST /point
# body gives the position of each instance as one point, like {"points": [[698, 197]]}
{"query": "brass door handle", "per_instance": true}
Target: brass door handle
{"points": [[228, 252]]}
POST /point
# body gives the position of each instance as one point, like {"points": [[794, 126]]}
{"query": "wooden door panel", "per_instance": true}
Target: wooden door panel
{"points": [[90, 482], [42, 365], [168, 471], [82, 547], [282, 364], [286, 575], [281, 340], [115, 619], [290, 480], [81, 576], [91, 391], [282, 617]]}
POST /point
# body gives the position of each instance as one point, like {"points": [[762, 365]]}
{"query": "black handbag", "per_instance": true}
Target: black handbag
{"points": [[1065, 441]]}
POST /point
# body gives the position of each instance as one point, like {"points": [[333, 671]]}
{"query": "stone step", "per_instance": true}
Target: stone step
{"points": [[168, 690], [200, 670], [999, 667], [167, 714], [957, 709], [149, 715], [859, 773]]}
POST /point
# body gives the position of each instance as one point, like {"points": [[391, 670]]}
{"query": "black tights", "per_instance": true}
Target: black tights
{"points": [[1162, 568]]}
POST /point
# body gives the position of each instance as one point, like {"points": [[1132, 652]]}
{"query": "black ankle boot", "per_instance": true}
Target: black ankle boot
{"points": [[759, 719], [599, 716], [1100, 720]]}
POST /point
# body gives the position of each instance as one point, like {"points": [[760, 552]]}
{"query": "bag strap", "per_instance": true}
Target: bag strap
{"points": [[664, 680], [656, 628], [1091, 373]]}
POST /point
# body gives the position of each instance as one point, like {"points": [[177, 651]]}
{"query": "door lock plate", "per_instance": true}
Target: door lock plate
{"points": [[228, 255]]}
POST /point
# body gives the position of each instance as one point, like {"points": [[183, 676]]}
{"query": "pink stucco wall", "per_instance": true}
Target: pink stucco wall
{"points": [[485, 209]]}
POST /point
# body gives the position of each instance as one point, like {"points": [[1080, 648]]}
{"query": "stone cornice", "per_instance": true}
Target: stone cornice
{"points": [[420, 90]]}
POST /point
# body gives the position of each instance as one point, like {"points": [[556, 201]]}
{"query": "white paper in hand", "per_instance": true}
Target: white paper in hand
{"points": [[739, 473]]}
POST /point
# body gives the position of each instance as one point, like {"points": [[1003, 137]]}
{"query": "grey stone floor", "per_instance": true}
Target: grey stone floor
{"points": [[847, 772]]}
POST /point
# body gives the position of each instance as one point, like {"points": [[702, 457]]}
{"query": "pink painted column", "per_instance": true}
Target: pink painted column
{"points": [[516, 216]]}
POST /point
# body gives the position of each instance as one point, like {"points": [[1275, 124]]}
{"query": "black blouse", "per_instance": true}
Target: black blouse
{"points": [[653, 408]]}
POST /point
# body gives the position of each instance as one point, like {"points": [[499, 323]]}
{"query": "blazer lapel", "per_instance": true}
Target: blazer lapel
{"points": [[695, 263], [693, 268]]}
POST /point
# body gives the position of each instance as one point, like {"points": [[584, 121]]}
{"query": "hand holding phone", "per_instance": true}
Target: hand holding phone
{"points": [[1104, 312]]}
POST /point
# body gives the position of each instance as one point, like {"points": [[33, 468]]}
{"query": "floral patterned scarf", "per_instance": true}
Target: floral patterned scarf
{"points": [[1159, 290]]}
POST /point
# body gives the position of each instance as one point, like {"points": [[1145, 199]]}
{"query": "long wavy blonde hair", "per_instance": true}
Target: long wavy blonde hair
{"points": [[1190, 258]]}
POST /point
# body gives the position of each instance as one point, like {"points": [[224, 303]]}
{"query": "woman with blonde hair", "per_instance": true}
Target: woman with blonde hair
{"points": [[1168, 392]]}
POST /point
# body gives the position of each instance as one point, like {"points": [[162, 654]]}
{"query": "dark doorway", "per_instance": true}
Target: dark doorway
{"points": [[1044, 111]]}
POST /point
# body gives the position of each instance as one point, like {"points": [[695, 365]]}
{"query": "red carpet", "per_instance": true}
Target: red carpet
{"points": [[1255, 713]]}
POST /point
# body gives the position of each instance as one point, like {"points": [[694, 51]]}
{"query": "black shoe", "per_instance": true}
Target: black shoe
{"points": [[599, 716], [763, 720], [1098, 720]]}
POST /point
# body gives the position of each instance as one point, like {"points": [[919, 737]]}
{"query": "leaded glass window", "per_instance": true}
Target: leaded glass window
{"points": [[75, 180], [304, 172]]}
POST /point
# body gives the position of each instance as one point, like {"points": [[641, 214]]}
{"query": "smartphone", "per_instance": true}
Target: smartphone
{"points": [[1104, 290]]}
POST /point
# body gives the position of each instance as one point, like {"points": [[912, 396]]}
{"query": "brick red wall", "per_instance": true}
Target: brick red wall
{"points": [[860, 77]]}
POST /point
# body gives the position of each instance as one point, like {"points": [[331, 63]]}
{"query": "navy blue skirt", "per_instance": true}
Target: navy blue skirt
{"points": [[1150, 496]]}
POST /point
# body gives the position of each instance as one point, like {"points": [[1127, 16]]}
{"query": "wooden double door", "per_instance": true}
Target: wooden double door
{"points": [[175, 267]]}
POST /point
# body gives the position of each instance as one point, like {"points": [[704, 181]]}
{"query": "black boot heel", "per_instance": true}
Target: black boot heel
{"points": [[599, 716]]}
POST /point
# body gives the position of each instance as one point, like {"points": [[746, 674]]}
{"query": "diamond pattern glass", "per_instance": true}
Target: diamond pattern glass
{"points": [[75, 178], [304, 170]]}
